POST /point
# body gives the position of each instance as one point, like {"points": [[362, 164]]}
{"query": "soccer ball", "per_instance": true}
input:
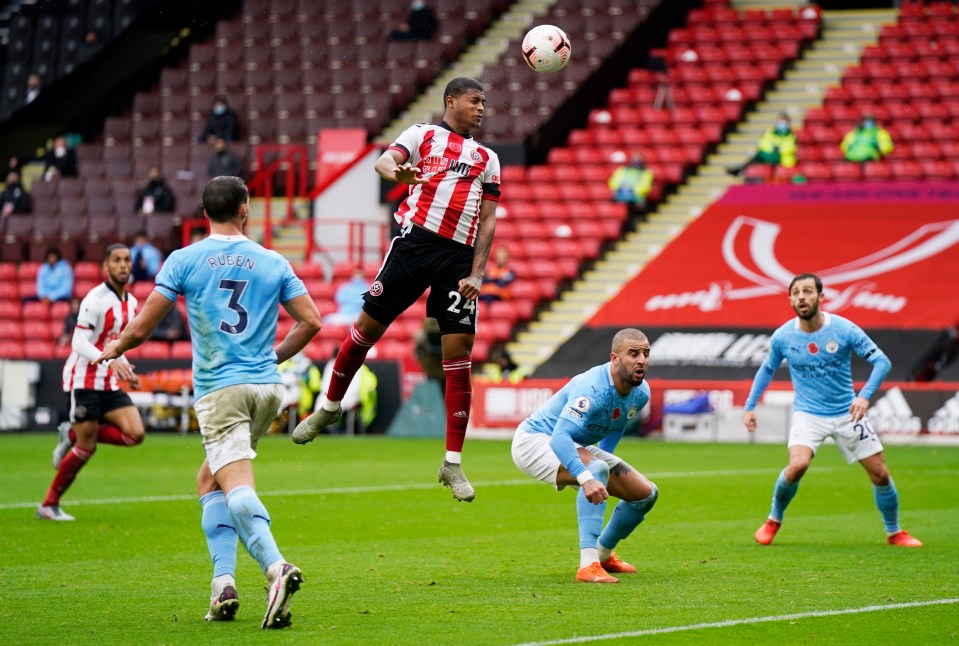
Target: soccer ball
{"points": [[546, 48]]}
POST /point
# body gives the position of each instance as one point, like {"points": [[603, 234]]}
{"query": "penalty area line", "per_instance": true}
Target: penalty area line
{"points": [[741, 622]]}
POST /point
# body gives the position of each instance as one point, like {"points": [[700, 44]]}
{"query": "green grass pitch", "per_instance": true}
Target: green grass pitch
{"points": [[390, 558]]}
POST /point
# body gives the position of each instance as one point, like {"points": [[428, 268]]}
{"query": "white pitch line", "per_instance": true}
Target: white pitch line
{"points": [[379, 488], [741, 622]]}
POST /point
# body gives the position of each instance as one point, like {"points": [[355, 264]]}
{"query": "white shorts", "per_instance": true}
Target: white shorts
{"points": [[856, 441], [233, 419], [534, 456]]}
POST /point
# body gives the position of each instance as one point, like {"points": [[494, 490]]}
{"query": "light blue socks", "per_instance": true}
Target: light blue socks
{"points": [[782, 495], [887, 500], [591, 516], [220, 534], [626, 517], [252, 523]]}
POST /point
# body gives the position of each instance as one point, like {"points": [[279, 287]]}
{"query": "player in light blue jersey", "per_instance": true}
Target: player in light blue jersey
{"points": [[232, 287], [556, 445], [818, 348]]}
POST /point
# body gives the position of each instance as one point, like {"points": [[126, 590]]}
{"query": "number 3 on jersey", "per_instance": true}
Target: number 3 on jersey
{"points": [[236, 288]]}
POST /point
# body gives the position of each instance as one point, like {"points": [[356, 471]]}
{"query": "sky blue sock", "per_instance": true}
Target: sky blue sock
{"points": [[252, 523], [626, 517], [591, 516], [782, 495], [887, 499], [220, 535]]}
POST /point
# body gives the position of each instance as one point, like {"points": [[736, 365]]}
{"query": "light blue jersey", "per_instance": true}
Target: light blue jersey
{"points": [[232, 288], [820, 365], [595, 409]]}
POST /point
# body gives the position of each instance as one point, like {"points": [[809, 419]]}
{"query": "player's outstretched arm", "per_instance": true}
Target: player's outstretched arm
{"points": [[140, 327], [392, 166], [307, 324]]}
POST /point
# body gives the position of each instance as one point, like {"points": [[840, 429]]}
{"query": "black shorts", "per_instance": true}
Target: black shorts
{"points": [[91, 405], [419, 259]]}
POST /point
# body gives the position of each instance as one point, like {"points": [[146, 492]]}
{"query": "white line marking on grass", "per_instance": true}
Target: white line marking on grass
{"points": [[740, 622], [379, 488]]}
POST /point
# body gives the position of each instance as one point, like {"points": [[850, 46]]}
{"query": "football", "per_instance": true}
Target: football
{"points": [[546, 48]]}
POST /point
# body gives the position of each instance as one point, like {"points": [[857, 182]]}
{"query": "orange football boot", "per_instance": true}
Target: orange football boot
{"points": [[903, 539], [594, 573], [766, 533], [617, 566]]}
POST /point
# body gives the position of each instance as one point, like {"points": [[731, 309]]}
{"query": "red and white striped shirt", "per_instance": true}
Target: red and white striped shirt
{"points": [[462, 174], [104, 316]]}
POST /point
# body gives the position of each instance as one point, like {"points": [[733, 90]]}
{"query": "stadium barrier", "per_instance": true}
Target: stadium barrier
{"points": [[899, 411]]}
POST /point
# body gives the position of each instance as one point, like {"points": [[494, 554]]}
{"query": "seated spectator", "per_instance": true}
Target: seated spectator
{"points": [[33, 89], [171, 328], [420, 24], [631, 184], [60, 161], [145, 257], [70, 322], [501, 367], [498, 278], [866, 142], [14, 198], [54, 279], [224, 161], [777, 146], [349, 299], [156, 196], [15, 165], [221, 122]]}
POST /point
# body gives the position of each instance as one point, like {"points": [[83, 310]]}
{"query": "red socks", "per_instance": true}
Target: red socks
{"points": [[66, 474], [351, 356], [109, 434], [459, 393]]}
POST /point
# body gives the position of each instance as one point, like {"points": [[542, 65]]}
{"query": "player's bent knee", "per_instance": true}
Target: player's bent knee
{"points": [[643, 506]]}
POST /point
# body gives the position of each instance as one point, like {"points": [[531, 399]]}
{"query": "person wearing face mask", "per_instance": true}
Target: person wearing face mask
{"points": [[866, 142], [222, 122], [777, 146], [156, 196], [59, 161], [420, 24]]}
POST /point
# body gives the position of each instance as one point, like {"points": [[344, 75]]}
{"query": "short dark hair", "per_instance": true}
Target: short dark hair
{"points": [[816, 279], [460, 85], [55, 251], [111, 248], [223, 197]]}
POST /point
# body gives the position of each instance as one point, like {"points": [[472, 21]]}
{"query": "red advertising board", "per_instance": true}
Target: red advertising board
{"points": [[336, 147], [888, 256]]}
